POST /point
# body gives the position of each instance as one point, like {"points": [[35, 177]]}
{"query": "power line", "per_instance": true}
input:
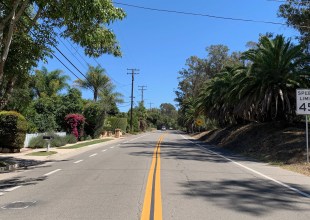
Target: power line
{"points": [[70, 51], [100, 67], [61, 53], [121, 85], [202, 15]]}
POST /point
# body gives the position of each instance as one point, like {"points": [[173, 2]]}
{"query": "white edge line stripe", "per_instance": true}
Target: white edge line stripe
{"points": [[78, 161], [93, 155], [111, 147], [104, 150], [254, 171], [47, 174], [11, 189]]}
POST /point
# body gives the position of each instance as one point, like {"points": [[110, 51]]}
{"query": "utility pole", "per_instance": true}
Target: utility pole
{"points": [[151, 104], [132, 80], [142, 90]]}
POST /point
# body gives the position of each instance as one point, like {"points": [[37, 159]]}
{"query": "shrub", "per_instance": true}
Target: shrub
{"points": [[75, 124], [58, 141], [92, 120], [37, 142], [13, 127], [71, 139], [88, 138]]}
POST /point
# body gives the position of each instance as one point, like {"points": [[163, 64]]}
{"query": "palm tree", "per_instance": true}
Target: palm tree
{"points": [[107, 103], [49, 84], [96, 80], [277, 68], [215, 100]]}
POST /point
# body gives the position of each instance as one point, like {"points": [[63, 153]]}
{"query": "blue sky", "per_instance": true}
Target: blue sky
{"points": [[158, 43]]}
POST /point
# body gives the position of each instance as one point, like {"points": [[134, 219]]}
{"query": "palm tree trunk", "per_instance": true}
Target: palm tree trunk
{"points": [[95, 95]]}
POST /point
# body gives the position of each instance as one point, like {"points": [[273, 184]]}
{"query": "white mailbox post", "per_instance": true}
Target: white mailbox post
{"points": [[303, 108], [48, 140]]}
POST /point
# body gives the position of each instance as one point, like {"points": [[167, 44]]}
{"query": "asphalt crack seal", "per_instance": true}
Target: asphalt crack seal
{"points": [[18, 205], [152, 206]]}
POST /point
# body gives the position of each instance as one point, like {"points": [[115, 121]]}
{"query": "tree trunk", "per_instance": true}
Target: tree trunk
{"points": [[7, 93], [6, 41]]}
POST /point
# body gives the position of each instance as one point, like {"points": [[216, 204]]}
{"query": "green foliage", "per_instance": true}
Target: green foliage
{"points": [[96, 80], [13, 128], [42, 114], [24, 53], [21, 97], [297, 14], [71, 139], [92, 120], [58, 141], [29, 31], [153, 118], [45, 83], [118, 123], [37, 142], [139, 115], [69, 103], [193, 79], [88, 137], [263, 91]]}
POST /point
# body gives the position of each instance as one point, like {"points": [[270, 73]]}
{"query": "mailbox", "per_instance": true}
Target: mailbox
{"points": [[46, 137]]}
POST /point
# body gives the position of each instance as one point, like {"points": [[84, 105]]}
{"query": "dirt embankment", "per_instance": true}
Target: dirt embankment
{"points": [[277, 142]]}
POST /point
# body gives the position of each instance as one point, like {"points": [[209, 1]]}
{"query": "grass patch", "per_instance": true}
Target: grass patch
{"points": [[85, 144], [42, 153]]}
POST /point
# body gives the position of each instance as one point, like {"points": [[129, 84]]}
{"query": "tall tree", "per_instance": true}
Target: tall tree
{"points": [[268, 90], [96, 80], [297, 13], [84, 22], [198, 72]]}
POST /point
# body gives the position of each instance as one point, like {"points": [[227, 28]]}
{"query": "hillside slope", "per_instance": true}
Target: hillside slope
{"points": [[279, 143]]}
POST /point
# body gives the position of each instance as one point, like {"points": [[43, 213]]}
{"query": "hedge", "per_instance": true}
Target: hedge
{"points": [[13, 128], [118, 123]]}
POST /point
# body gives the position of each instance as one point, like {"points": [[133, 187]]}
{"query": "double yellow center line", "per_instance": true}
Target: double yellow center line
{"points": [[152, 206]]}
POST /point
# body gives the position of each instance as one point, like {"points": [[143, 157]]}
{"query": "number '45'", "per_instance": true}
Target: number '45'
{"points": [[303, 106]]}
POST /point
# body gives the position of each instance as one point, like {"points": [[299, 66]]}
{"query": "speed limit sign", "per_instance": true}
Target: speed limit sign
{"points": [[303, 101], [303, 108]]}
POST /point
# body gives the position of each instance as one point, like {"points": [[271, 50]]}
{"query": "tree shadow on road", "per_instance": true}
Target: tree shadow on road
{"points": [[183, 150], [27, 164], [252, 197], [20, 181]]}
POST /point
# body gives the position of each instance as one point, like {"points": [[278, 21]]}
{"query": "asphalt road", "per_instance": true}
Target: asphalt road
{"points": [[159, 175]]}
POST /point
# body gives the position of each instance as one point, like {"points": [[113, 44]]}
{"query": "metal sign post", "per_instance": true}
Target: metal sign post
{"points": [[307, 139], [303, 108]]}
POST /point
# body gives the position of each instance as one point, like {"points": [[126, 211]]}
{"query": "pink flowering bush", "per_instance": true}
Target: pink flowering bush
{"points": [[75, 124]]}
